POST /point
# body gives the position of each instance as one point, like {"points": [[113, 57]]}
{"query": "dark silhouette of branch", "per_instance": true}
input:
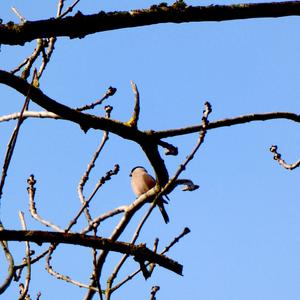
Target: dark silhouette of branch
{"points": [[228, 122], [110, 92], [140, 251], [148, 140], [166, 249], [79, 25], [88, 121]]}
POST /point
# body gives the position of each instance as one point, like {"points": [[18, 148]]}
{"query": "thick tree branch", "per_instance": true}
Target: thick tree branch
{"points": [[138, 251], [79, 25], [86, 121], [148, 140]]}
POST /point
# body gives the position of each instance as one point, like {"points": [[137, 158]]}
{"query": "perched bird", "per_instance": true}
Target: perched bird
{"points": [[142, 182]]}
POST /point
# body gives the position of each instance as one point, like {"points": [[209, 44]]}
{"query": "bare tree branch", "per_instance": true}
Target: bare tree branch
{"points": [[32, 206], [11, 264], [227, 122], [139, 251], [13, 139], [79, 25], [277, 157], [166, 249], [24, 290], [29, 114]]}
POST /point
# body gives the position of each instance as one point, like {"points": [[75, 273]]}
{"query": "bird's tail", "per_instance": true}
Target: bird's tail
{"points": [[163, 211]]}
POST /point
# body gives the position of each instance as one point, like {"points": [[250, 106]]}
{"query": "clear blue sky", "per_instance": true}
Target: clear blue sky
{"points": [[244, 219]]}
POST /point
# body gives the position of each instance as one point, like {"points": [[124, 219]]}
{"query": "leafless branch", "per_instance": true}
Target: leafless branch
{"points": [[12, 143], [154, 290], [60, 276], [167, 248], [110, 92], [87, 121], [95, 270], [10, 260], [139, 251], [86, 203], [24, 290], [79, 25], [32, 206], [33, 260], [277, 157], [136, 111], [95, 222], [22, 19], [130, 210], [60, 7], [85, 176], [20, 66], [69, 9], [118, 267], [32, 58], [29, 114]]}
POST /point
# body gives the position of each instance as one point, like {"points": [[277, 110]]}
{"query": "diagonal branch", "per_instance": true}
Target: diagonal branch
{"points": [[79, 25], [86, 121]]}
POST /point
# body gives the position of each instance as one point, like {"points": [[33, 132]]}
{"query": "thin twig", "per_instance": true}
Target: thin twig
{"points": [[95, 271], [32, 58], [103, 217], [47, 55], [201, 137], [136, 111], [22, 19], [32, 206], [69, 9], [51, 43], [24, 290], [10, 260], [12, 143], [60, 6], [185, 231], [110, 92], [33, 260], [94, 223], [154, 290], [60, 276], [85, 176], [277, 157], [152, 266], [29, 114], [20, 66]]}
